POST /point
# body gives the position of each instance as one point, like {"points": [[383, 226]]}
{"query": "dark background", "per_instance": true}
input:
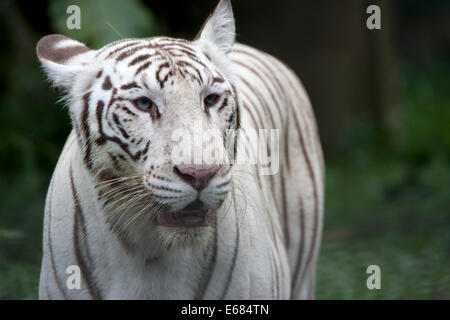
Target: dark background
{"points": [[381, 99]]}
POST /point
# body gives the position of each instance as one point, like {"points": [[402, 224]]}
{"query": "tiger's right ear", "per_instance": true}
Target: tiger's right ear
{"points": [[218, 31], [63, 58]]}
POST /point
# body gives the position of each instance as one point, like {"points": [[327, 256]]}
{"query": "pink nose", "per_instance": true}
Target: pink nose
{"points": [[197, 178]]}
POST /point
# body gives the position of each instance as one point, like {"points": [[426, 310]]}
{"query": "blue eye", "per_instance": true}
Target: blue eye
{"points": [[211, 100], [143, 103]]}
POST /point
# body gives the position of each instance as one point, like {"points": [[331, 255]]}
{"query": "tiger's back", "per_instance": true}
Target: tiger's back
{"points": [[273, 98]]}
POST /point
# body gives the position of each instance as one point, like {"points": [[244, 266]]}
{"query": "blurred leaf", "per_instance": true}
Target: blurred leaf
{"points": [[104, 21], [19, 281], [11, 234]]}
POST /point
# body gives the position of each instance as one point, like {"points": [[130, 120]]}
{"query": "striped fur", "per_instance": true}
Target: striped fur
{"points": [[110, 184]]}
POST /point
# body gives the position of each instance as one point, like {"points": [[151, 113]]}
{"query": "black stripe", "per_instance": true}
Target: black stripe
{"points": [[49, 297], [142, 68], [85, 131], [235, 254], [50, 247], [99, 113], [112, 44], [158, 72], [261, 100], [183, 63], [218, 79], [286, 146], [299, 261], [130, 85], [311, 173], [272, 274], [250, 103], [139, 59], [107, 85], [266, 66], [273, 258], [203, 286], [314, 183], [224, 104], [120, 127], [120, 49], [251, 69], [79, 221], [128, 111], [316, 199], [284, 210]]}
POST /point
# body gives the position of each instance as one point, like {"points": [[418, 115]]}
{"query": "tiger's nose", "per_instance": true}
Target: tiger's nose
{"points": [[197, 178]]}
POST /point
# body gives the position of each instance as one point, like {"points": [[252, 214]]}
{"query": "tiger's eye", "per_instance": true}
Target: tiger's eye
{"points": [[143, 103], [211, 100]]}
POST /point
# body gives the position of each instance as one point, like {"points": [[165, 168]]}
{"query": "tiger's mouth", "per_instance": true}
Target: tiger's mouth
{"points": [[193, 215]]}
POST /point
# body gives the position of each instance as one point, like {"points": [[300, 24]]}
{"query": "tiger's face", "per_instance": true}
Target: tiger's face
{"points": [[153, 119], [147, 105]]}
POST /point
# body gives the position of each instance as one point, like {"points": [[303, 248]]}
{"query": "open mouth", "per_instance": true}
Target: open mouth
{"points": [[194, 214]]}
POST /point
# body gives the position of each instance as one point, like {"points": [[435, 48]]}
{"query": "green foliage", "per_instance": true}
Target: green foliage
{"points": [[390, 206], [427, 112], [31, 136], [20, 281], [109, 20]]}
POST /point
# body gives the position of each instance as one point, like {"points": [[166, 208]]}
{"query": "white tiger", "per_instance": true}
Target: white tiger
{"points": [[140, 225]]}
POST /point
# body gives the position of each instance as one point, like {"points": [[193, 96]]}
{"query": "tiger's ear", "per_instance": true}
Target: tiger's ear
{"points": [[218, 31], [63, 58]]}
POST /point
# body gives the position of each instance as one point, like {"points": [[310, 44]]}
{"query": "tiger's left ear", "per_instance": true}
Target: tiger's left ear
{"points": [[63, 59], [218, 32]]}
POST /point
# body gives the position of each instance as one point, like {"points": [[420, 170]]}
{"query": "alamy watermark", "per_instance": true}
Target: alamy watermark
{"points": [[197, 146], [373, 22], [74, 20], [374, 280], [74, 279]]}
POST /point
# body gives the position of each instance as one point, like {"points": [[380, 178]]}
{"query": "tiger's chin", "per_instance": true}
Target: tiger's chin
{"points": [[159, 228], [163, 235], [158, 233], [173, 238]]}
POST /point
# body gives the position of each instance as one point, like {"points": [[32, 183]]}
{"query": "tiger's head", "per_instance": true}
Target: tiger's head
{"points": [[136, 105]]}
